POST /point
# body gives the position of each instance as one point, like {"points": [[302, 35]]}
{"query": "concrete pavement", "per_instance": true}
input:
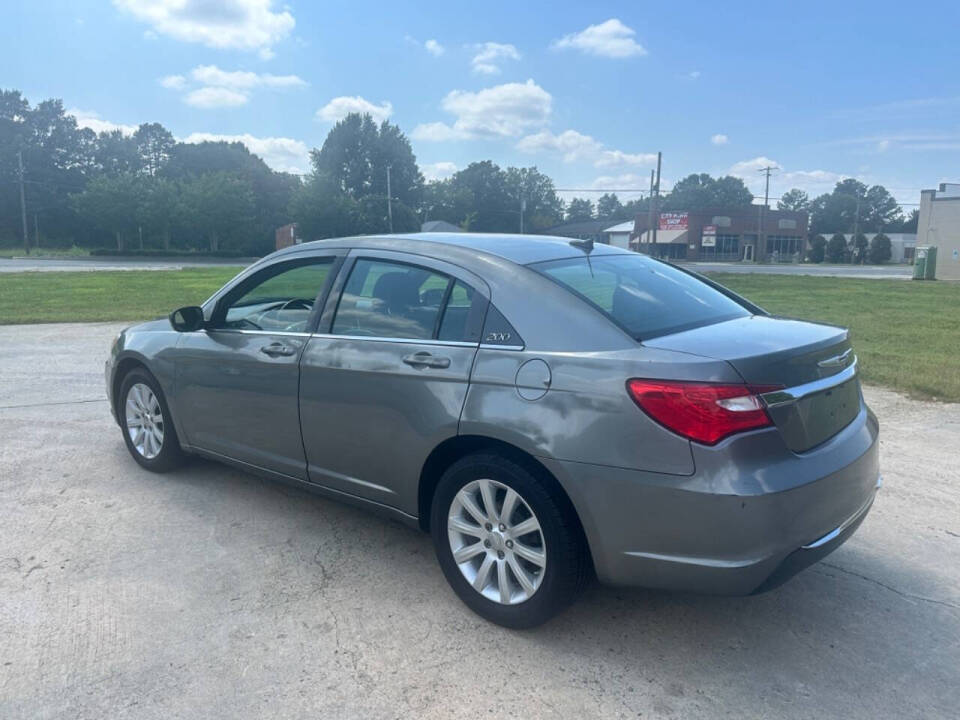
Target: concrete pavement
{"points": [[57, 264], [211, 593]]}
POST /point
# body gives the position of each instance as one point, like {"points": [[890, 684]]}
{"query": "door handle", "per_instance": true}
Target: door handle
{"points": [[425, 359], [278, 349]]}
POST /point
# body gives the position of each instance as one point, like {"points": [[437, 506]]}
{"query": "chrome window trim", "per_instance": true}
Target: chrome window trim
{"points": [[238, 331], [789, 395], [408, 341], [491, 346]]}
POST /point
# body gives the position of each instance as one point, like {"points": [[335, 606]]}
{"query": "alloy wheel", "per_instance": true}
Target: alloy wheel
{"points": [[497, 541], [144, 420]]}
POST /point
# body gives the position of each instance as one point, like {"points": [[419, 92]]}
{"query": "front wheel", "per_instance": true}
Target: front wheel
{"points": [[508, 545], [145, 419]]}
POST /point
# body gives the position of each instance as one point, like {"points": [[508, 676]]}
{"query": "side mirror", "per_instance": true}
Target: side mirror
{"points": [[187, 319]]}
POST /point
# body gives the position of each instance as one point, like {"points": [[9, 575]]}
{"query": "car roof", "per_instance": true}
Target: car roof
{"points": [[519, 249]]}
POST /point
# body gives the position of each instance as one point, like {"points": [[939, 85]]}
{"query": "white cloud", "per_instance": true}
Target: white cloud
{"points": [[719, 139], [693, 74], [173, 82], [225, 88], [280, 153], [242, 80], [340, 107], [500, 111], [438, 170], [610, 39], [208, 98], [577, 147], [227, 24], [434, 48], [92, 120], [490, 55], [813, 182]]}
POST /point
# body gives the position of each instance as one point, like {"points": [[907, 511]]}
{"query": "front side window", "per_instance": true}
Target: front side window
{"points": [[395, 300], [644, 297], [282, 301]]}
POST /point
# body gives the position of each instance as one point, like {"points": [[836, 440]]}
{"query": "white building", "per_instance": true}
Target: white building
{"points": [[619, 235], [902, 245], [940, 225]]}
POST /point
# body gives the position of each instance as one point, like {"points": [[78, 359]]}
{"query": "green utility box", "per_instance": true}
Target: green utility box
{"points": [[930, 272], [925, 263]]}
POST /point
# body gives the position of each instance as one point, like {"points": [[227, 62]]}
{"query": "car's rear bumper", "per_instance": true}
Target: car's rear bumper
{"points": [[752, 515]]}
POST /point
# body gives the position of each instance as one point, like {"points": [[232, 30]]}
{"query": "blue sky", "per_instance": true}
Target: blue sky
{"points": [[588, 92]]}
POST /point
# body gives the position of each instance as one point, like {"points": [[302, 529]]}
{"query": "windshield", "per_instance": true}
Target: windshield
{"points": [[645, 297]]}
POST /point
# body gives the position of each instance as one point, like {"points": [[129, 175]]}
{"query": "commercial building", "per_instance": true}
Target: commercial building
{"points": [[287, 235], [723, 234], [619, 235], [940, 225]]}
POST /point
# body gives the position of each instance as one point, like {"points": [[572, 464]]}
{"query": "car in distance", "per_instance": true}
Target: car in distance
{"points": [[547, 409]]}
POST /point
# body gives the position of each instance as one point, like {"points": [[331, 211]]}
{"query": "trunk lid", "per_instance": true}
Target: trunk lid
{"points": [[813, 363]]}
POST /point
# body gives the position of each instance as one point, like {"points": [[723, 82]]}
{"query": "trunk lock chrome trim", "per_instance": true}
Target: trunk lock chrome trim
{"points": [[789, 395]]}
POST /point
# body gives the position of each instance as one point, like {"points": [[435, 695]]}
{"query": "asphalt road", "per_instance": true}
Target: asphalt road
{"points": [[211, 593], [39, 264], [19, 264], [867, 272]]}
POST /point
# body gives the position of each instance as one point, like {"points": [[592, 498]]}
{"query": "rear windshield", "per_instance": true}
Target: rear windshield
{"points": [[645, 297]]}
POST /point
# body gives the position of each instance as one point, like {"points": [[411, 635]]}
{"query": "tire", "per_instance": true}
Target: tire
{"points": [[133, 399], [557, 542]]}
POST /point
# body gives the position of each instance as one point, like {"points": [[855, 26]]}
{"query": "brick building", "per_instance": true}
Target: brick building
{"points": [[723, 234]]}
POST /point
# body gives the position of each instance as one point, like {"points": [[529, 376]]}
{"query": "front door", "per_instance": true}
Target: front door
{"points": [[237, 380], [387, 382]]}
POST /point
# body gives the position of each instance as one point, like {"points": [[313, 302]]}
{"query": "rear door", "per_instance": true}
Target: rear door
{"points": [[238, 379], [385, 378]]}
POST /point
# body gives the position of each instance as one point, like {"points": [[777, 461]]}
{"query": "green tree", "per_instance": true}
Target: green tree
{"points": [[543, 206], [796, 200], [701, 191], [608, 206], [321, 210], [880, 249], [154, 143], [221, 207], [860, 247], [484, 202], [836, 250], [854, 206], [580, 210], [109, 203], [355, 156], [159, 208], [817, 247]]}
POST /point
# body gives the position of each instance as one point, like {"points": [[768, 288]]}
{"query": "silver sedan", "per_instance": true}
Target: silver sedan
{"points": [[549, 410]]}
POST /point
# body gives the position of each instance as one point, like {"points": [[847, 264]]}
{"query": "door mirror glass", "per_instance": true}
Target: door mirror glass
{"points": [[187, 319]]}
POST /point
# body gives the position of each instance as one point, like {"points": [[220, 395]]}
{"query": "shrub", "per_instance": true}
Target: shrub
{"points": [[817, 248], [880, 249], [113, 252], [836, 248]]}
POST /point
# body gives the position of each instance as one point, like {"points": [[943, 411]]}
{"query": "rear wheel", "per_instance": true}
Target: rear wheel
{"points": [[510, 548], [145, 419]]}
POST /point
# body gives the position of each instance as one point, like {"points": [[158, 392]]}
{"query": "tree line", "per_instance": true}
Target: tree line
{"points": [[146, 190]]}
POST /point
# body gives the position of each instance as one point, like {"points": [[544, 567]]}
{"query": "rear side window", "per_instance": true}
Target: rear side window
{"points": [[645, 297]]}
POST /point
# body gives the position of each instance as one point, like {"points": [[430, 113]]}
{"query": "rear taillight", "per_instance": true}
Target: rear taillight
{"points": [[703, 412]]}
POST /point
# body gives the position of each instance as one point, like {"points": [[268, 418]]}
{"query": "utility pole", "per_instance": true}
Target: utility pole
{"points": [[36, 230], [23, 206], [650, 211], [389, 200], [856, 230], [761, 240], [523, 206], [656, 202]]}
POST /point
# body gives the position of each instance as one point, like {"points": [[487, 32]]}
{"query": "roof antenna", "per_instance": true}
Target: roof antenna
{"points": [[587, 247]]}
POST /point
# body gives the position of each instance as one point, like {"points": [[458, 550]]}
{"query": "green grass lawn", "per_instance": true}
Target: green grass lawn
{"points": [[38, 297], [907, 334]]}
